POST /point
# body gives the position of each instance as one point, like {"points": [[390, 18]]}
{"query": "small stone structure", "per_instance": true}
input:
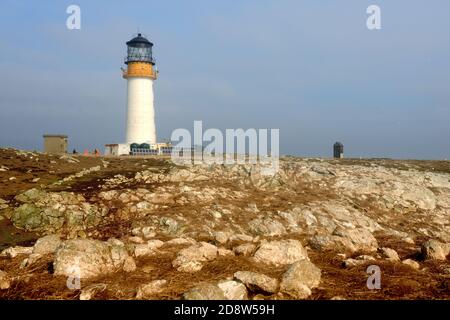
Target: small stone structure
{"points": [[55, 143]]}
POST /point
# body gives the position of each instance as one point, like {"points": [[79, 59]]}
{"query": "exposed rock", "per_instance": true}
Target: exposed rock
{"points": [[179, 241], [148, 248], [149, 289], [54, 212], [389, 254], [141, 250], [129, 264], [224, 252], [296, 290], [204, 292], [32, 258], [86, 258], [69, 159], [329, 204], [5, 282], [191, 259], [233, 290], [136, 239], [267, 227], [90, 291], [13, 252], [281, 252], [170, 226], [221, 237], [241, 237], [299, 278], [155, 244], [341, 256], [392, 187], [320, 169], [148, 233], [360, 260], [435, 250], [338, 298], [108, 195], [47, 244], [408, 240], [244, 249], [257, 282], [3, 204], [216, 214], [357, 239], [413, 264], [252, 207]]}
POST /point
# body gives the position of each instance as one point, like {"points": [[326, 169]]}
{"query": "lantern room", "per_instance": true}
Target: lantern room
{"points": [[139, 50]]}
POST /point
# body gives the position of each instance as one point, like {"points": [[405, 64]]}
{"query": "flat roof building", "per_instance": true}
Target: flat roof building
{"points": [[55, 143]]}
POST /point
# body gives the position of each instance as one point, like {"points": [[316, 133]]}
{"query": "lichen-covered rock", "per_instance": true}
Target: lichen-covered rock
{"points": [[257, 282], [204, 292], [54, 212], [3, 204], [149, 289], [267, 227], [360, 260], [148, 232], [85, 258], [155, 244], [180, 241], [224, 252], [342, 239], [389, 254], [5, 281], [300, 273], [221, 237], [191, 259], [281, 252], [233, 290], [170, 226], [245, 249], [147, 248], [47, 244], [299, 279], [143, 249], [129, 265], [13, 252], [413, 264], [435, 250], [90, 291], [136, 239]]}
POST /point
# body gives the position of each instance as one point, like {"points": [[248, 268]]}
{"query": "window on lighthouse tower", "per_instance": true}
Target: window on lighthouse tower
{"points": [[139, 54]]}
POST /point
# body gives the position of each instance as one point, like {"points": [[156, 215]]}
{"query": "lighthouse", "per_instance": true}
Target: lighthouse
{"points": [[140, 74]]}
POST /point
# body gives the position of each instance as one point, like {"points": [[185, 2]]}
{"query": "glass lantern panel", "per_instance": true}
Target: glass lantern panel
{"points": [[139, 54]]}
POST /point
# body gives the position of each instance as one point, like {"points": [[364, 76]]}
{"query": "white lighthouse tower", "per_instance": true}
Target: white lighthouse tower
{"points": [[140, 74]]}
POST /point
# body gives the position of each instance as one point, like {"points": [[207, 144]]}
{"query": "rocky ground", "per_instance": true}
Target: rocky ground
{"points": [[78, 227]]}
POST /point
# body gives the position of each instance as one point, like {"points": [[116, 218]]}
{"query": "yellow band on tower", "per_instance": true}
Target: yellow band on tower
{"points": [[140, 69]]}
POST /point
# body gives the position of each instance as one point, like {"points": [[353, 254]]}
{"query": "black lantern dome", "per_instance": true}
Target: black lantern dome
{"points": [[139, 50]]}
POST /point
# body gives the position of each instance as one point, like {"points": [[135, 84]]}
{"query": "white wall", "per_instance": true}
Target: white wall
{"points": [[140, 111]]}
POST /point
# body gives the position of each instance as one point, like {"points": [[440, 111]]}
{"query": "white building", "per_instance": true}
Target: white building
{"points": [[140, 74]]}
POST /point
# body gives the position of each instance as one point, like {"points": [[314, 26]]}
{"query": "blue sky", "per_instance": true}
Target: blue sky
{"points": [[310, 68]]}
